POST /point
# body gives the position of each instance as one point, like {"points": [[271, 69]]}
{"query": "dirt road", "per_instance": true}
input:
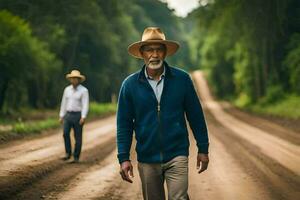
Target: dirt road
{"points": [[247, 161]]}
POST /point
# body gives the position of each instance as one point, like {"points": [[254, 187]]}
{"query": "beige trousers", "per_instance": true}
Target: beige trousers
{"points": [[174, 172]]}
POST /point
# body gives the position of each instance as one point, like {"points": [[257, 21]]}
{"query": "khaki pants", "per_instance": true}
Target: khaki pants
{"points": [[174, 172]]}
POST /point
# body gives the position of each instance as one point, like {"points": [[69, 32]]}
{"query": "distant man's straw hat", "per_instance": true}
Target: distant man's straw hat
{"points": [[75, 74], [153, 35]]}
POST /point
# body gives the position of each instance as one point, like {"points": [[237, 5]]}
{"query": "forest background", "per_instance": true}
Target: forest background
{"points": [[249, 50]]}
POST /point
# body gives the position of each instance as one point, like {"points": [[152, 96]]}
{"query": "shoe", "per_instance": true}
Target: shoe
{"points": [[75, 160], [67, 157]]}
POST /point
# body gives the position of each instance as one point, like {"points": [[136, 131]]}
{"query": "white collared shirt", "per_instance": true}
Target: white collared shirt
{"points": [[75, 100], [157, 86]]}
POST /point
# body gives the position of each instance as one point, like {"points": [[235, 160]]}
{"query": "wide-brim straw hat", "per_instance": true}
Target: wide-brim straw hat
{"points": [[75, 74], [153, 35]]}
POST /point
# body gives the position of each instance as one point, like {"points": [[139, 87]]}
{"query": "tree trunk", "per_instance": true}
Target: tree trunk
{"points": [[3, 89]]}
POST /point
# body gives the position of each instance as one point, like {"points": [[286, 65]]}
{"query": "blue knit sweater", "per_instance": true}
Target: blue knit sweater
{"points": [[160, 129]]}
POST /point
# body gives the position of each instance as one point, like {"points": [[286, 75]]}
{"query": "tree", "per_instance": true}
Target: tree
{"points": [[23, 59], [249, 47]]}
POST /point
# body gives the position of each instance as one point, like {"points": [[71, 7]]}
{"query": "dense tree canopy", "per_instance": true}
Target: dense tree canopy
{"points": [[43, 40], [250, 48], [25, 64]]}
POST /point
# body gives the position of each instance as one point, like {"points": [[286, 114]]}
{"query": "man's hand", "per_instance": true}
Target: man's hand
{"points": [[202, 162], [61, 120], [82, 120], [126, 171]]}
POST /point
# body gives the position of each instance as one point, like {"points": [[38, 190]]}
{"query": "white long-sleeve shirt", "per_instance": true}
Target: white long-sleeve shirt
{"points": [[75, 100]]}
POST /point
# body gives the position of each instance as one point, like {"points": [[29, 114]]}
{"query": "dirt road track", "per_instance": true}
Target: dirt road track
{"points": [[282, 151], [28, 164], [255, 170], [246, 162]]}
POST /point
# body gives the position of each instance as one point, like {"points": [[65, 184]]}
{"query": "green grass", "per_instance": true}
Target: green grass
{"points": [[36, 122], [35, 126], [97, 109], [287, 107]]}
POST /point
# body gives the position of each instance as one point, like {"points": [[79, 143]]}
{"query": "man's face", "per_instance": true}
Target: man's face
{"points": [[75, 81], [153, 55]]}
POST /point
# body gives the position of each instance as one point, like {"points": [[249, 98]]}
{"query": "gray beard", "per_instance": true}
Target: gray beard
{"points": [[155, 66]]}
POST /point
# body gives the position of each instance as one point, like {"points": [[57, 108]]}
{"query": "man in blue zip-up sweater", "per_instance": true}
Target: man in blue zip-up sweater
{"points": [[153, 103]]}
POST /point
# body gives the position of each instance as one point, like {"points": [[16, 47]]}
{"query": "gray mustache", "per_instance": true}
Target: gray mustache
{"points": [[155, 60]]}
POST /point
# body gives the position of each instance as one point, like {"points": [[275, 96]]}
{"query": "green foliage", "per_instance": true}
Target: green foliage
{"points": [[286, 107], [25, 64], [97, 109], [292, 62], [35, 127], [29, 121], [41, 41], [251, 48], [274, 94], [243, 100]]}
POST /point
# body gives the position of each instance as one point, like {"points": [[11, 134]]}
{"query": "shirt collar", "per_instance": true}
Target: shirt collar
{"points": [[151, 78], [77, 88], [169, 72]]}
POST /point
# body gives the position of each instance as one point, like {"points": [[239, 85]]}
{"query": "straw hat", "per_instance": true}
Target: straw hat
{"points": [[75, 74], [153, 35]]}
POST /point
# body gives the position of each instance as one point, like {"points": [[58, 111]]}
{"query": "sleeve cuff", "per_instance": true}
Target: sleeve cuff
{"points": [[123, 157], [203, 148]]}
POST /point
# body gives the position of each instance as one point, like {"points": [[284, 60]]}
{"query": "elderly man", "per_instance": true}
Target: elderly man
{"points": [[73, 111], [153, 103]]}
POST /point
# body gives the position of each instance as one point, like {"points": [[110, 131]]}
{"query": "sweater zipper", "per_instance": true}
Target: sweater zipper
{"points": [[160, 132], [159, 120]]}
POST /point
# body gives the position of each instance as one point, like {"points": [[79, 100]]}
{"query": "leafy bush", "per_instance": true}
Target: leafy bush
{"points": [[274, 94], [287, 107]]}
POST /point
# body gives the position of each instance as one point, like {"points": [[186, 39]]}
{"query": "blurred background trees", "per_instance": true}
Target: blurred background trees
{"points": [[249, 49], [41, 41]]}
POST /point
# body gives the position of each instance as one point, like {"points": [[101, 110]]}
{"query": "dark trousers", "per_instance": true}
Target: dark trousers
{"points": [[71, 120]]}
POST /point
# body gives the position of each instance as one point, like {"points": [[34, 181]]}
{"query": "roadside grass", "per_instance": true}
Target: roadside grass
{"points": [[35, 126], [103, 109], [31, 122], [288, 106], [276, 103]]}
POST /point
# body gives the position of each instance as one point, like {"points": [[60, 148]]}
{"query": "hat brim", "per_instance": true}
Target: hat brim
{"points": [[134, 48], [81, 77]]}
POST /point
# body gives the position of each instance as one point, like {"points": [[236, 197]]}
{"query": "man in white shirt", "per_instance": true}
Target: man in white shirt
{"points": [[73, 112]]}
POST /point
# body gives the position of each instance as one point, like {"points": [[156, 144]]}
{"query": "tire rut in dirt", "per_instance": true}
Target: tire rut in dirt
{"points": [[285, 185], [34, 183], [286, 131]]}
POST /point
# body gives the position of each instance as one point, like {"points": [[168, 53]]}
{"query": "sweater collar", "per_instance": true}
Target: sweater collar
{"points": [[168, 72]]}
